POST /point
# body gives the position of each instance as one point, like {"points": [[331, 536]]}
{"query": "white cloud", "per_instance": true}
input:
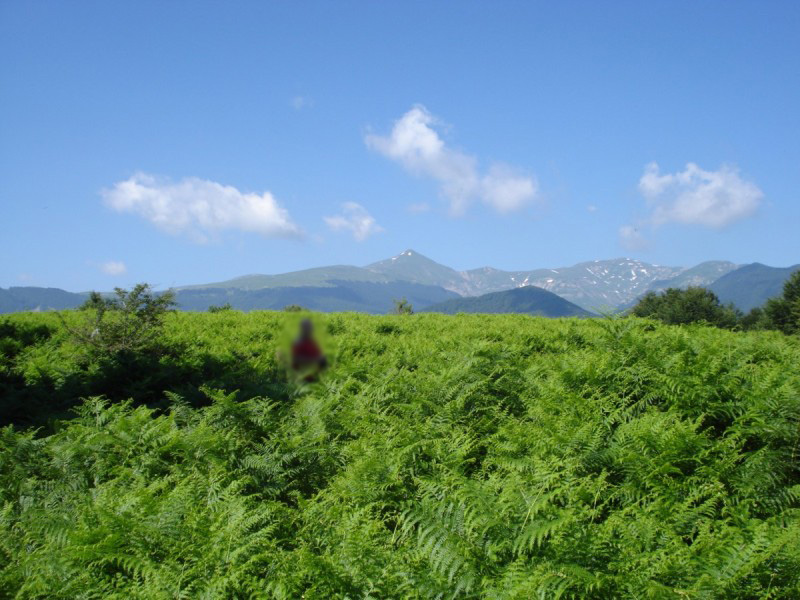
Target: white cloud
{"points": [[698, 197], [199, 208], [591, 208], [694, 196], [417, 146], [507, 191], [356, 219], [114, 267], [301, 102]]}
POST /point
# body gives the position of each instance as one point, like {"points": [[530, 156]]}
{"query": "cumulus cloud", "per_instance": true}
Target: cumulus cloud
{"points": [[199, 208], [698, 197], [505, 190], [356, 220], [694, 196], [417, 146], [114, 267]]}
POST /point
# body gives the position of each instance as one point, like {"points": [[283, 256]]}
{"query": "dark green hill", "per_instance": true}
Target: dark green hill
{"points": [[528, 300], [751, 285], [17, 299]]}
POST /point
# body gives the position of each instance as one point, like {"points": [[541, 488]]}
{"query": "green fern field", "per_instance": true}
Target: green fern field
{"points": [[439, 456]]}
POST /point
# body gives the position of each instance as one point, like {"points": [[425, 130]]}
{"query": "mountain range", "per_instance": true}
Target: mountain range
{"points": [[597, 286]]}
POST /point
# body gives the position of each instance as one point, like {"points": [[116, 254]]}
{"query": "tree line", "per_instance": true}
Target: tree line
{"points": [[696, 304]]}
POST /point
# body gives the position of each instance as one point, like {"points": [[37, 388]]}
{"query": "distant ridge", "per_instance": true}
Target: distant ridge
{"points": [[18, 299], [701, 275], [528, 300], [335, 296], [317, 277], [751, 285]]}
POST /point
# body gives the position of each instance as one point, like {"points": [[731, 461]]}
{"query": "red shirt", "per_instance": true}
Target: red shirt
{"points": [[305, 352]]}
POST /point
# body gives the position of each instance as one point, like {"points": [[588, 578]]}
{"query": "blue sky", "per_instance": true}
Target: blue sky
{"points": [[178, 143]]}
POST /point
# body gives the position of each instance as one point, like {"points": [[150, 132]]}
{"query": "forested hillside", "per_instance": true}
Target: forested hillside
{"points": [[751, 285], [529, 299], [19, 299], [467, 456]]}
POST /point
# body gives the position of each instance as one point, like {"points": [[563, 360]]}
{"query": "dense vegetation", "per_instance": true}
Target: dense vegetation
{"points": [[438, 457], [693, 305], [783, 312], [699, 305]]}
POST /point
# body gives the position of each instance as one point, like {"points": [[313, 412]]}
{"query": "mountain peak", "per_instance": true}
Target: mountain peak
{"points": [[412, 266], [406, 256], [409, 252]]}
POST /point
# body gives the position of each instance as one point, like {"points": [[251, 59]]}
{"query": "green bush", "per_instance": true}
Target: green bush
{"points": [[131, 321], [215, 309], [693, 305], [403, 307], [783, 312]]}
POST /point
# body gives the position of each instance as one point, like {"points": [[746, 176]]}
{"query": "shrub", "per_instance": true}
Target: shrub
{"points": [[783, 312], [96, 301], [215, 309], [130, 321], [403, 307], [693, 305]]}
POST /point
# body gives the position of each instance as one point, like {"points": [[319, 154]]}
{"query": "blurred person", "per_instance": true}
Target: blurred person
{"points": [[307, 356]]}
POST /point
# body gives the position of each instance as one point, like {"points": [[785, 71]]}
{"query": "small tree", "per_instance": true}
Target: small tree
{"points": [[755, 320], [215, 309], [403, 307], [695, 304], [95, 301], [783, 312], [130, 321]]}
